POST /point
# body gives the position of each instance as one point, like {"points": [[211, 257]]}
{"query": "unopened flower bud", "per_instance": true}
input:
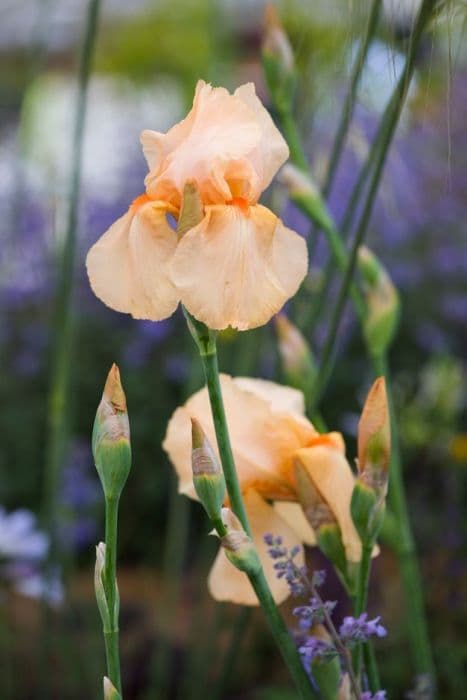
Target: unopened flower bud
{"points": [[382, 303], [99, 586], [238, 546], [278, 61], [374, 438], [296, 355], [191, 212], [208, 477], [305, 193], [110, 691], [374, 452], [111, 437]]}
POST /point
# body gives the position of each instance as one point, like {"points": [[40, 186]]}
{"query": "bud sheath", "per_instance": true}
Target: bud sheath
{"points": [[208, 477]]}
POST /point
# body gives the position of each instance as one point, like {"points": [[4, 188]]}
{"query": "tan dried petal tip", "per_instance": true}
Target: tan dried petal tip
{"points": [[374, 424], [113, 390]]}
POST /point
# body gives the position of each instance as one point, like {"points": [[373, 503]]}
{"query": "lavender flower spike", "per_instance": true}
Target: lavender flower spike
{"points": [[359, 629]]}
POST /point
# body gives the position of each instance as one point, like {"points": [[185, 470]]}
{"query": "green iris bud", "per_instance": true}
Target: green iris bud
{"points": [[208, 477], [382, 300], [111, 437]]}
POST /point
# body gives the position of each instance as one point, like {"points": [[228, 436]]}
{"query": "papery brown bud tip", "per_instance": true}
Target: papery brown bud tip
{"points": [[113, 390], [198, 436]]}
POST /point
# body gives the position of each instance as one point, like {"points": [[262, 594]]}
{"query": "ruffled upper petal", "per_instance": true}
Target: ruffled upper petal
{"points": [[238, 266], [272, 150], [128, 266], [219, 129], [263, 440], [226, 583], [333, 478]]}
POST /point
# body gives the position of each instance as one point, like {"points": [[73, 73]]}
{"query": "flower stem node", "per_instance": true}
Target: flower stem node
{"points": [[111, 437], [368, 510], [208, 477], [278, 61], [382, 300], [110, 691], [238, 546]]}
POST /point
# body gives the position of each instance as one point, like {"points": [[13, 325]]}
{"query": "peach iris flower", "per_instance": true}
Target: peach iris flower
{"points": [[269, 432], [240, 264]]}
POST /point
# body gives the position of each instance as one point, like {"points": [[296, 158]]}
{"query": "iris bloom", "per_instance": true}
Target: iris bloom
{"points": [[269, 432], [240, 264]]}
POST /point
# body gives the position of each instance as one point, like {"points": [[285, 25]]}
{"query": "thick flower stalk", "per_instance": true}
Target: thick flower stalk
{"points": [[269, 434], [112, 457], [238, 264]]}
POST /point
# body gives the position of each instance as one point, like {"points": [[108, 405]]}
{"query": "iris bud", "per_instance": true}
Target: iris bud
{"points": [[382, 301], [296, 355], [238, 546], [208, 477], [111, 437]]}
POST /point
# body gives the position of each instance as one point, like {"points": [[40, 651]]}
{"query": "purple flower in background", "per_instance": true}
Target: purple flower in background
{"points": [[23, 549], [314, 612], [314, 648], [379, 695], [360, 629], [80, 495]]}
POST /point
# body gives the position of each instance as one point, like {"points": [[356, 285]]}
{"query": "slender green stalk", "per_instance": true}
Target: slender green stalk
{"points": [[349, 103], [371, 667], [362, 596], [293, 138], [206, 342], [410, 572], [111, 592], [62, 353]]}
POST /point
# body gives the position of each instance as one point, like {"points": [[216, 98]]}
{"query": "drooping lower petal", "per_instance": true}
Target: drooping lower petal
{"points": [[238, 266], [128, 266], [226, 583]]}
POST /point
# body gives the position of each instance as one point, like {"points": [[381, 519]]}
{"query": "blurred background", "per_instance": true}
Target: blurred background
{"points": [[149, 55]]}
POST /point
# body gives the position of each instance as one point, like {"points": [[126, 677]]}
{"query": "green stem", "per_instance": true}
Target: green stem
{"points": [[63, 327], [292, 136], [406, 550], [362, 596], [371, 667], [111, 593], [349, 103], [206, 342]]}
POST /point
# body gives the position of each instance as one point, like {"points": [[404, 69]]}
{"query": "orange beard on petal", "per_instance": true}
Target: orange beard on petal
{"points": [[139, 201], [321, 440], [241, 203]]}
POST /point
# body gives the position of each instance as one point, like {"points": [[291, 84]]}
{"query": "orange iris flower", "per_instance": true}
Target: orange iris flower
{"points": [[240, 264], [268, 432]]}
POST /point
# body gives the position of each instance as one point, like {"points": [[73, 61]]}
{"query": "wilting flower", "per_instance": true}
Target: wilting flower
{"points": [[269, 433], [239, 264]]}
